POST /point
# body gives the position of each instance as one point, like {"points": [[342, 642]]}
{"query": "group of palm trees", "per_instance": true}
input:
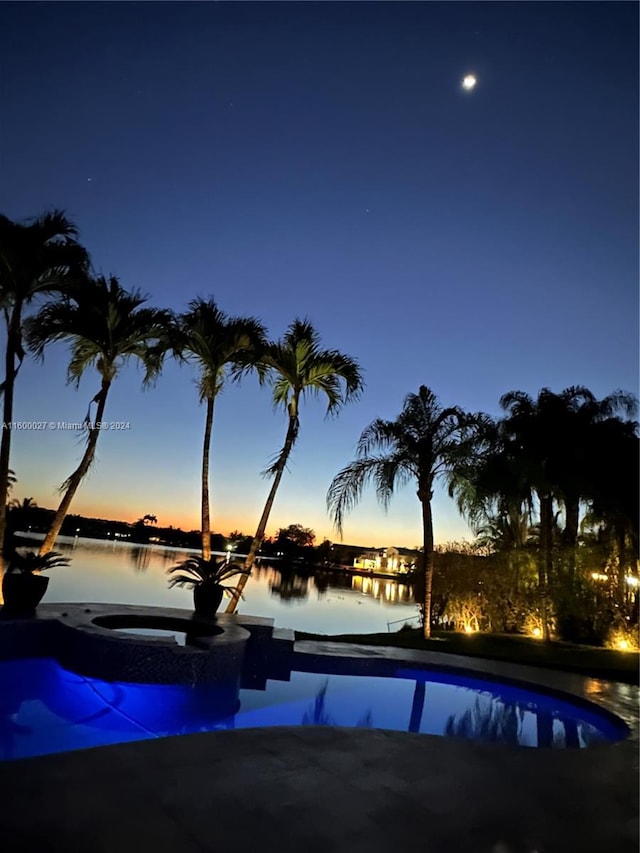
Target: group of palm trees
{"points": [[546, 458], [567, 450], [43, 264]]}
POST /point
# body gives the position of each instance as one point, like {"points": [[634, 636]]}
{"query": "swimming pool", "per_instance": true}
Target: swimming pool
{"points": [[45, 708]]}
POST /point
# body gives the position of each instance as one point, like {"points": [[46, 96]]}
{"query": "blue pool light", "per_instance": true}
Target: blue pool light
{"points": [[44, 708]]}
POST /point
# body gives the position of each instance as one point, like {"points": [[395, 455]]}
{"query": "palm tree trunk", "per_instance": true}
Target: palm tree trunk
{"points": [[513, 567], [621, 543], [292, 432], [206, 449], [570, 534], [545, 558], [10, 373], [572, 518], [427, 557], [76, 478]]}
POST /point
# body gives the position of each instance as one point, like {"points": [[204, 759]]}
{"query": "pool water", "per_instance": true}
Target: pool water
{"points": [[46, 709], [179, 636]]}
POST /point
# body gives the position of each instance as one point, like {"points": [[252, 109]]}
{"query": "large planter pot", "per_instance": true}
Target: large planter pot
{"points": [[206, 599], [22, 592]]}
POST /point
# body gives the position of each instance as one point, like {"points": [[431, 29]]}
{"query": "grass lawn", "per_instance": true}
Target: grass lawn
{"points": [[585, 660]]}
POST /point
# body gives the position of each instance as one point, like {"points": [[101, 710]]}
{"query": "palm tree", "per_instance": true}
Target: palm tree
{"points": [[425, 442], [531, 430], [219, 346], [298, 368], [492, 493], [19, 513], [24, 504], [551, 440], [36, 259], [614, 494], [106, 327], [577, 412]]}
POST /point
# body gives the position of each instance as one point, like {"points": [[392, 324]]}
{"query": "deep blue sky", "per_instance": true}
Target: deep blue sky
{"points": [[321, 159]]}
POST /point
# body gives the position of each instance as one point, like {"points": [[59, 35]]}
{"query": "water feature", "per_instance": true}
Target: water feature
{"points": [[123, 573], [46, 709], [179, 636]]}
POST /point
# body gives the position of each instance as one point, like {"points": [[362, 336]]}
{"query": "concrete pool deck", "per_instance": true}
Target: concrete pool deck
{"points": [[317, 790]]}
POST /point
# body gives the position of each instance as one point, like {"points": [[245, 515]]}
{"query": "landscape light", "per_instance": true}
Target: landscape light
{"points": [[632, 580]]}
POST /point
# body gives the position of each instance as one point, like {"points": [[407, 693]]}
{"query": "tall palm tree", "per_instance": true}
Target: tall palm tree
{"points": [[36, 259], [493, 494], [579, 414], [425, 442], [550, 437], [220, 347], [531, 429], [106, 327], [297, 367], [614, 495], [567, 421]]}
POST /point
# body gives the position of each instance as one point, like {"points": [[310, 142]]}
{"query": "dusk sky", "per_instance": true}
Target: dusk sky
{"points": [[323, 160]]}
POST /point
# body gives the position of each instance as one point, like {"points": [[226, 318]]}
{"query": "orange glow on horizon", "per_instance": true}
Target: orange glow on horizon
{"points": [[369, 536]]}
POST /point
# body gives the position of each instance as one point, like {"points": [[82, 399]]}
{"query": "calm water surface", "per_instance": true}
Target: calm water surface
{"points": [[122, 573], [45, 708]]}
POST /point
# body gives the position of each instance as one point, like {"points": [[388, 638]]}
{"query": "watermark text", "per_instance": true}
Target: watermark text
{"points": [[61, 426]]}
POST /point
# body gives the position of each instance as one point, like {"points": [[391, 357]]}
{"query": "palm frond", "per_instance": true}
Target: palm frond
{"points": [[516, 401], [379, 435], [425, 441], [218, 345], [197, 570], [37, 257], [31, 562], [348, 485], [106, 326], [392, 472], [298, 367]]}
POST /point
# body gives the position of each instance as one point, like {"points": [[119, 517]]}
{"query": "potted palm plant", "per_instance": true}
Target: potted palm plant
{"points": [[23, 586], [207, 579]]}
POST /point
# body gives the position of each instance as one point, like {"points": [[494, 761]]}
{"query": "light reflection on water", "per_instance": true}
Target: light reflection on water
{"points": [[125, 573], [45, 708]]}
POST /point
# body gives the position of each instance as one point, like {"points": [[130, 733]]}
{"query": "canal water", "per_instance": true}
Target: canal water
{"points": [[328, 603]]}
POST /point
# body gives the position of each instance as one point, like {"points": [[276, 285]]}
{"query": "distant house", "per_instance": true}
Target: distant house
{"points": [[390, 559]]}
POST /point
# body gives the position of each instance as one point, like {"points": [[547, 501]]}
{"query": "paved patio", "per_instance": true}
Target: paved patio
{"points": [[328, 789]]}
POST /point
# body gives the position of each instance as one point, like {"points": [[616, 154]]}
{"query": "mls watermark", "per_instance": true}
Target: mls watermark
{"points": [[71, 426]]}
